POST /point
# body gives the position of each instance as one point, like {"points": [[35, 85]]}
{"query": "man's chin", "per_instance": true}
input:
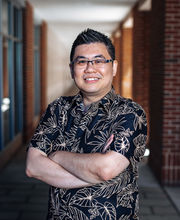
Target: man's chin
{"points": [[90, 92]]}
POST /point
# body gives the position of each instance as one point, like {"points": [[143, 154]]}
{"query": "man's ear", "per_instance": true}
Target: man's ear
{"points": [[115, 65], [71, 70]]}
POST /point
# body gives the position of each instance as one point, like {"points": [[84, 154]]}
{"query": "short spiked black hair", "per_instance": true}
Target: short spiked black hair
{"points": [[91, 36]]}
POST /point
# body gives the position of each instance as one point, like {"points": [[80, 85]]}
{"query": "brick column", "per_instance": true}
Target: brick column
{"points": [[156, 86], [171, 94], [165, 91], [28, 72], [126, 78], [141, 55], [43, 53], [117, 44]]}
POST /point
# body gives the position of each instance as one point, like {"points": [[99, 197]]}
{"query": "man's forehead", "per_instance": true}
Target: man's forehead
{"points": [[91, 50], [91, 45]]}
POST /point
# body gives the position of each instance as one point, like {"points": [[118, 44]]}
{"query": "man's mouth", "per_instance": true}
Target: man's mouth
{"points": [[92, 79]]}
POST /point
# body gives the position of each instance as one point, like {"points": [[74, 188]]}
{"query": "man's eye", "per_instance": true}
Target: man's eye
{"points": [[81, 61], [99, 61]]}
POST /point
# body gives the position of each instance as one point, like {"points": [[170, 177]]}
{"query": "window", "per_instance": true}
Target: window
{"points": [[11, 71], [5, 107]]}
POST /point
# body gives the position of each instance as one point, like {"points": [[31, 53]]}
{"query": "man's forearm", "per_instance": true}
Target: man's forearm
{"points": [[41, 167], [92, 167], [83, 166]]}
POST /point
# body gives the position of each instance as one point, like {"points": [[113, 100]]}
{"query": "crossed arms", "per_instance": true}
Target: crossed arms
{"points": [[72, 170]]}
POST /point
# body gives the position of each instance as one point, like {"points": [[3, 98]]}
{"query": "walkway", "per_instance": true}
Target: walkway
{"points": [[157, 203], [22, 198]]}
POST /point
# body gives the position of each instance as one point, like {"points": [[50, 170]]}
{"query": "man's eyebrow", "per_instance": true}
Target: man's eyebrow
{"points": [[83, 57], [99, 56], [80, 57]]}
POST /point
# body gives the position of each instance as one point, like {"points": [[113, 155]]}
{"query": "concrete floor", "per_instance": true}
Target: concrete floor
{"points": [[22, 198], [155, 202]]}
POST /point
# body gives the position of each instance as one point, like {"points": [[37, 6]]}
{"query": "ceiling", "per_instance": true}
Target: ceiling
{"points": [[69, 17]]}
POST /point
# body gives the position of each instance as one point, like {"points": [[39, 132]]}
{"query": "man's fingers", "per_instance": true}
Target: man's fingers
{"points": [[111, 138], [109, 141]]}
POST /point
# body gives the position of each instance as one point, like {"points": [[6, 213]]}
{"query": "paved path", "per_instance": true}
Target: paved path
{"points": [[22, 198], [155, 202]]}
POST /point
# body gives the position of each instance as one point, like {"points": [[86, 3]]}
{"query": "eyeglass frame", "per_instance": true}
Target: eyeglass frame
{"points": [[92, 61]]}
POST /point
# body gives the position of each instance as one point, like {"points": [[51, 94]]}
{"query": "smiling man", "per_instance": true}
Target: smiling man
{"points": [[93, 70], [87, 147]]}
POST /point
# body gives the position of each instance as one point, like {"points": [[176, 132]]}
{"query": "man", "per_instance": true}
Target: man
{"points": [[87, 147]]}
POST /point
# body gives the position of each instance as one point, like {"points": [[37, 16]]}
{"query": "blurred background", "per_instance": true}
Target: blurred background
{"points": [[35, 41]]}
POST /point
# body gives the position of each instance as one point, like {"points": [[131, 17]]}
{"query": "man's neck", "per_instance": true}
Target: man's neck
{"points": [[89, 99]]}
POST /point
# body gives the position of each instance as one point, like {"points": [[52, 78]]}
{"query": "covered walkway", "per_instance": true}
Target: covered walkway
{"points": [[34, 58], [22, 198]]}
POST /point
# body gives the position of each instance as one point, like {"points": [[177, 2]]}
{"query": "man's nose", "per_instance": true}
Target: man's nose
{"points": [[90, 67]]}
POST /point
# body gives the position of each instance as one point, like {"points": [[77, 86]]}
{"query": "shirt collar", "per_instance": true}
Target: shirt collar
{"points": [[106, 100]]}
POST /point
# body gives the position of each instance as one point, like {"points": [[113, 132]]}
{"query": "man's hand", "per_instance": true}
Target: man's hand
{"points": [[109, 141]]}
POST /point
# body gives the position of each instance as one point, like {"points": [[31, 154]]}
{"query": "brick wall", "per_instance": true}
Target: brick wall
{"points": [[30, 121], [148, 62], [165, 91], [141, 55], [43, 53], [156, 86], [28, 72], [156, 81], [126, 78], [171, 94], [147, 28], [117, 43]]}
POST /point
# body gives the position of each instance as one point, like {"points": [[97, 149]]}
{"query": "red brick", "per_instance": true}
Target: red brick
{"points": [[28, 75]]}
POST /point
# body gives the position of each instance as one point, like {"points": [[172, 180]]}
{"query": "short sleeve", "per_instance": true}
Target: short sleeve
{"points": [[45, 132], [130, 134]]}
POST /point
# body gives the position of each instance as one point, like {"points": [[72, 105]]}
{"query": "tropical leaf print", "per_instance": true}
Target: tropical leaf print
{"points": [[60, 146], [51, 124], [140, 143], [107, 211], [40, 133], [77, 213], [109, 188], [125, 217], [84, 197], [94, 212], [136, 210], [125, 196], [99, 142], [139, 121], [65, 126], [122, 144]]}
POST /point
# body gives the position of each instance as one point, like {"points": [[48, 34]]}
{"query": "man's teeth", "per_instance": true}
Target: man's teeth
{"points": [[90, 79]]}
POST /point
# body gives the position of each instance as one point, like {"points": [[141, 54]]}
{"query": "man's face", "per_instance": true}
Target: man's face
{"points": [[91, 79]]}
